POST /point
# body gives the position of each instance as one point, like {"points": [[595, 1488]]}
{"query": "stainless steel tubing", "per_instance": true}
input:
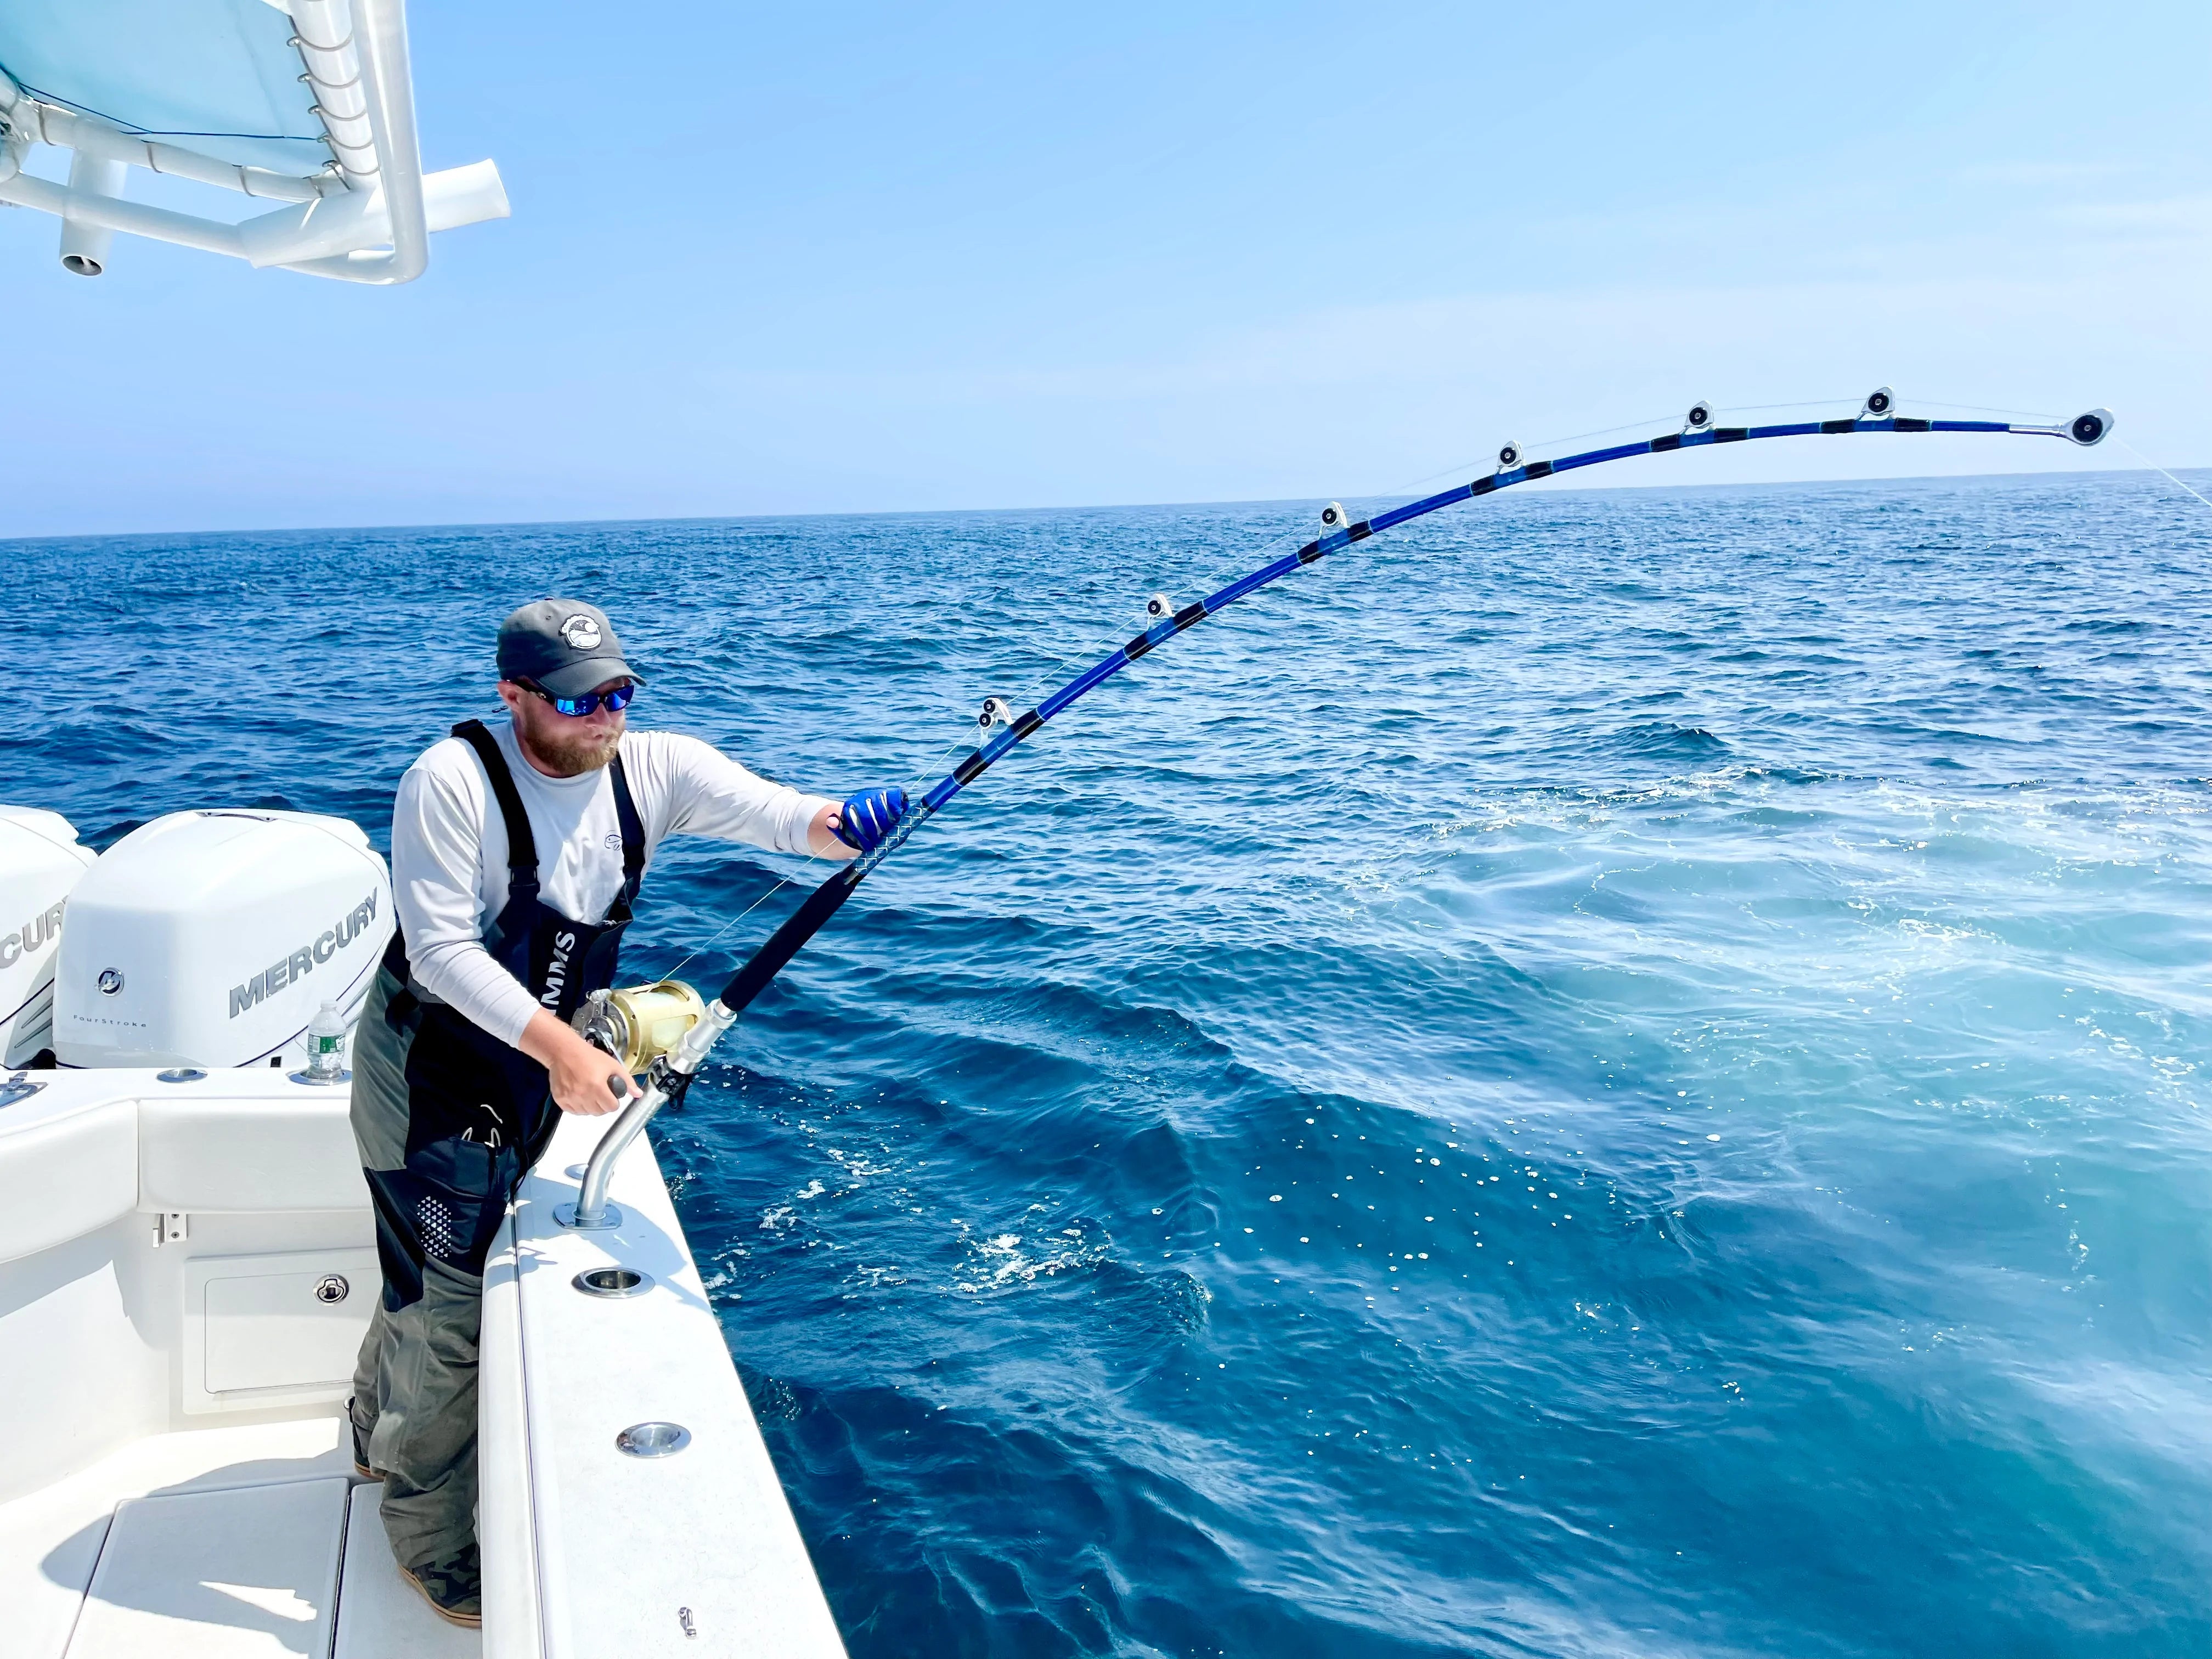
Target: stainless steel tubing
{"points": [[591, 1200], [590, 1211]]}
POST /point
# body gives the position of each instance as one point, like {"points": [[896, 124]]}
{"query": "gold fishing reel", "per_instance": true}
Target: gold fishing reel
{"points": [[640, 1024]]}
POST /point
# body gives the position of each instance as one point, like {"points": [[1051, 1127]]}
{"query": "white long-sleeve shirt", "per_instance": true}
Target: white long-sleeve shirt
{"points": [[449, 871]]}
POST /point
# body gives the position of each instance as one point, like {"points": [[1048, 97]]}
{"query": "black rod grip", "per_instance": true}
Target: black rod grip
{"points": [[765, 963]]}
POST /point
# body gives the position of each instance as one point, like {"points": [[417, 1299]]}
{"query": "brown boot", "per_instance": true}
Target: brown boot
{"points": [[453, 1587]]}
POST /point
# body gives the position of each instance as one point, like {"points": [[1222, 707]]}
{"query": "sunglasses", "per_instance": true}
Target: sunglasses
{"points": [[576, 707]]}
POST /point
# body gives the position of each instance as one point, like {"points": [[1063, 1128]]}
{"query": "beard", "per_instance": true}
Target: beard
{"points": [[569, 749]]}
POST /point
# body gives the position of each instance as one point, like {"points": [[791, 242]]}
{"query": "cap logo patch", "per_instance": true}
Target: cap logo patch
{"points": [[581, 633]]}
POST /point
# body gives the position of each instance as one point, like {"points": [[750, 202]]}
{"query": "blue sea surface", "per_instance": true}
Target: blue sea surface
{"points": [[1612, 1073]]}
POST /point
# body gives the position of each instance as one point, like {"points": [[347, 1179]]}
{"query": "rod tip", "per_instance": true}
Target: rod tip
{"points": [[2090, 427]]}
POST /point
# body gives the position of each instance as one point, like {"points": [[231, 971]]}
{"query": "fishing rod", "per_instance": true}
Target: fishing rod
{"points": [[666, 1030]]}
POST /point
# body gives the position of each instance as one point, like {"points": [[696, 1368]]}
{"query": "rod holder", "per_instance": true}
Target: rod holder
{"points": [[592, 1212], [85, 243]]}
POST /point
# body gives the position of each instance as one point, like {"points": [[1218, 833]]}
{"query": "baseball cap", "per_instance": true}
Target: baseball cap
{"points": [[564, 645]]}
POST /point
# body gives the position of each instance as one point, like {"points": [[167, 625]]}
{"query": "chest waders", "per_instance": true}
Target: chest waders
{"points": [[448, 1119]]}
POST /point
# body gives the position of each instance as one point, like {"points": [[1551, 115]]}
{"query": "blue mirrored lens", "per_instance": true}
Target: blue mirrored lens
{"points": [[576, 707]]}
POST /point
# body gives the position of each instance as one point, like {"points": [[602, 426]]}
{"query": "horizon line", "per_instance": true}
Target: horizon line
{"points": [[1543, 486]]}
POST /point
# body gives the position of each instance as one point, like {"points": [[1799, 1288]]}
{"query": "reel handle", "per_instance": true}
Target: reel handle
{"points": [[618, 1082]]}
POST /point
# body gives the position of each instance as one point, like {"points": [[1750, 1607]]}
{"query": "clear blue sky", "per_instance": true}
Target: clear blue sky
{"points": [[881, 256]]}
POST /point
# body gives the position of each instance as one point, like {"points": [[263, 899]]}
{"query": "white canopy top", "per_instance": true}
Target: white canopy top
{"points": [[307, 102], [220, 76]]}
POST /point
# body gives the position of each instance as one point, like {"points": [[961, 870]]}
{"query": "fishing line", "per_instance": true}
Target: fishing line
{"points": [[1284, 540], [1288, 538], [812, 858], [1701, 428], [1983, 408], [912, 782], [1102, 634], [1638, 426], [1808, 403], [1878, 414], [2160, 471], [673, 1067], [964, 737], [1463, 467]]}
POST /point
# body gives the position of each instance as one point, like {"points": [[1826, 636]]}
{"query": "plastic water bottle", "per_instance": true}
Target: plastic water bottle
{"points": [[327, 1036]]}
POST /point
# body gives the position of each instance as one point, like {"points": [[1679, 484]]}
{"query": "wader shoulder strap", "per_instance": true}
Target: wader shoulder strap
{"points": [[521, 845], [633, 837]]}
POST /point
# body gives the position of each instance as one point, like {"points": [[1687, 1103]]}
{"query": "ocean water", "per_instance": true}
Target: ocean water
{"points": [[1613, 1074]]}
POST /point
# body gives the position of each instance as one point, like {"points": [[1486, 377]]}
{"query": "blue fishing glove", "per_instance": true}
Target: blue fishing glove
{"points": [[865, 818]]}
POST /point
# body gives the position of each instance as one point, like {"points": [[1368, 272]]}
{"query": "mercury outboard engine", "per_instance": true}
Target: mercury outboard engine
{"points": [[39, 863], [212, 938]]}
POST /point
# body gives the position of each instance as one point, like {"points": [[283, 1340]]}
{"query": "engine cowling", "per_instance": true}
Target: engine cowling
{"points": [[41, 864], [211, 939]]}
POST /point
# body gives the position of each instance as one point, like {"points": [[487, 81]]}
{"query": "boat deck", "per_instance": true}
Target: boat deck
{"points": [[252, 1540]]}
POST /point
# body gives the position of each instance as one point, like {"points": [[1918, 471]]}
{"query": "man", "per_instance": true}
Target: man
{"points": [[516, 854]]}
